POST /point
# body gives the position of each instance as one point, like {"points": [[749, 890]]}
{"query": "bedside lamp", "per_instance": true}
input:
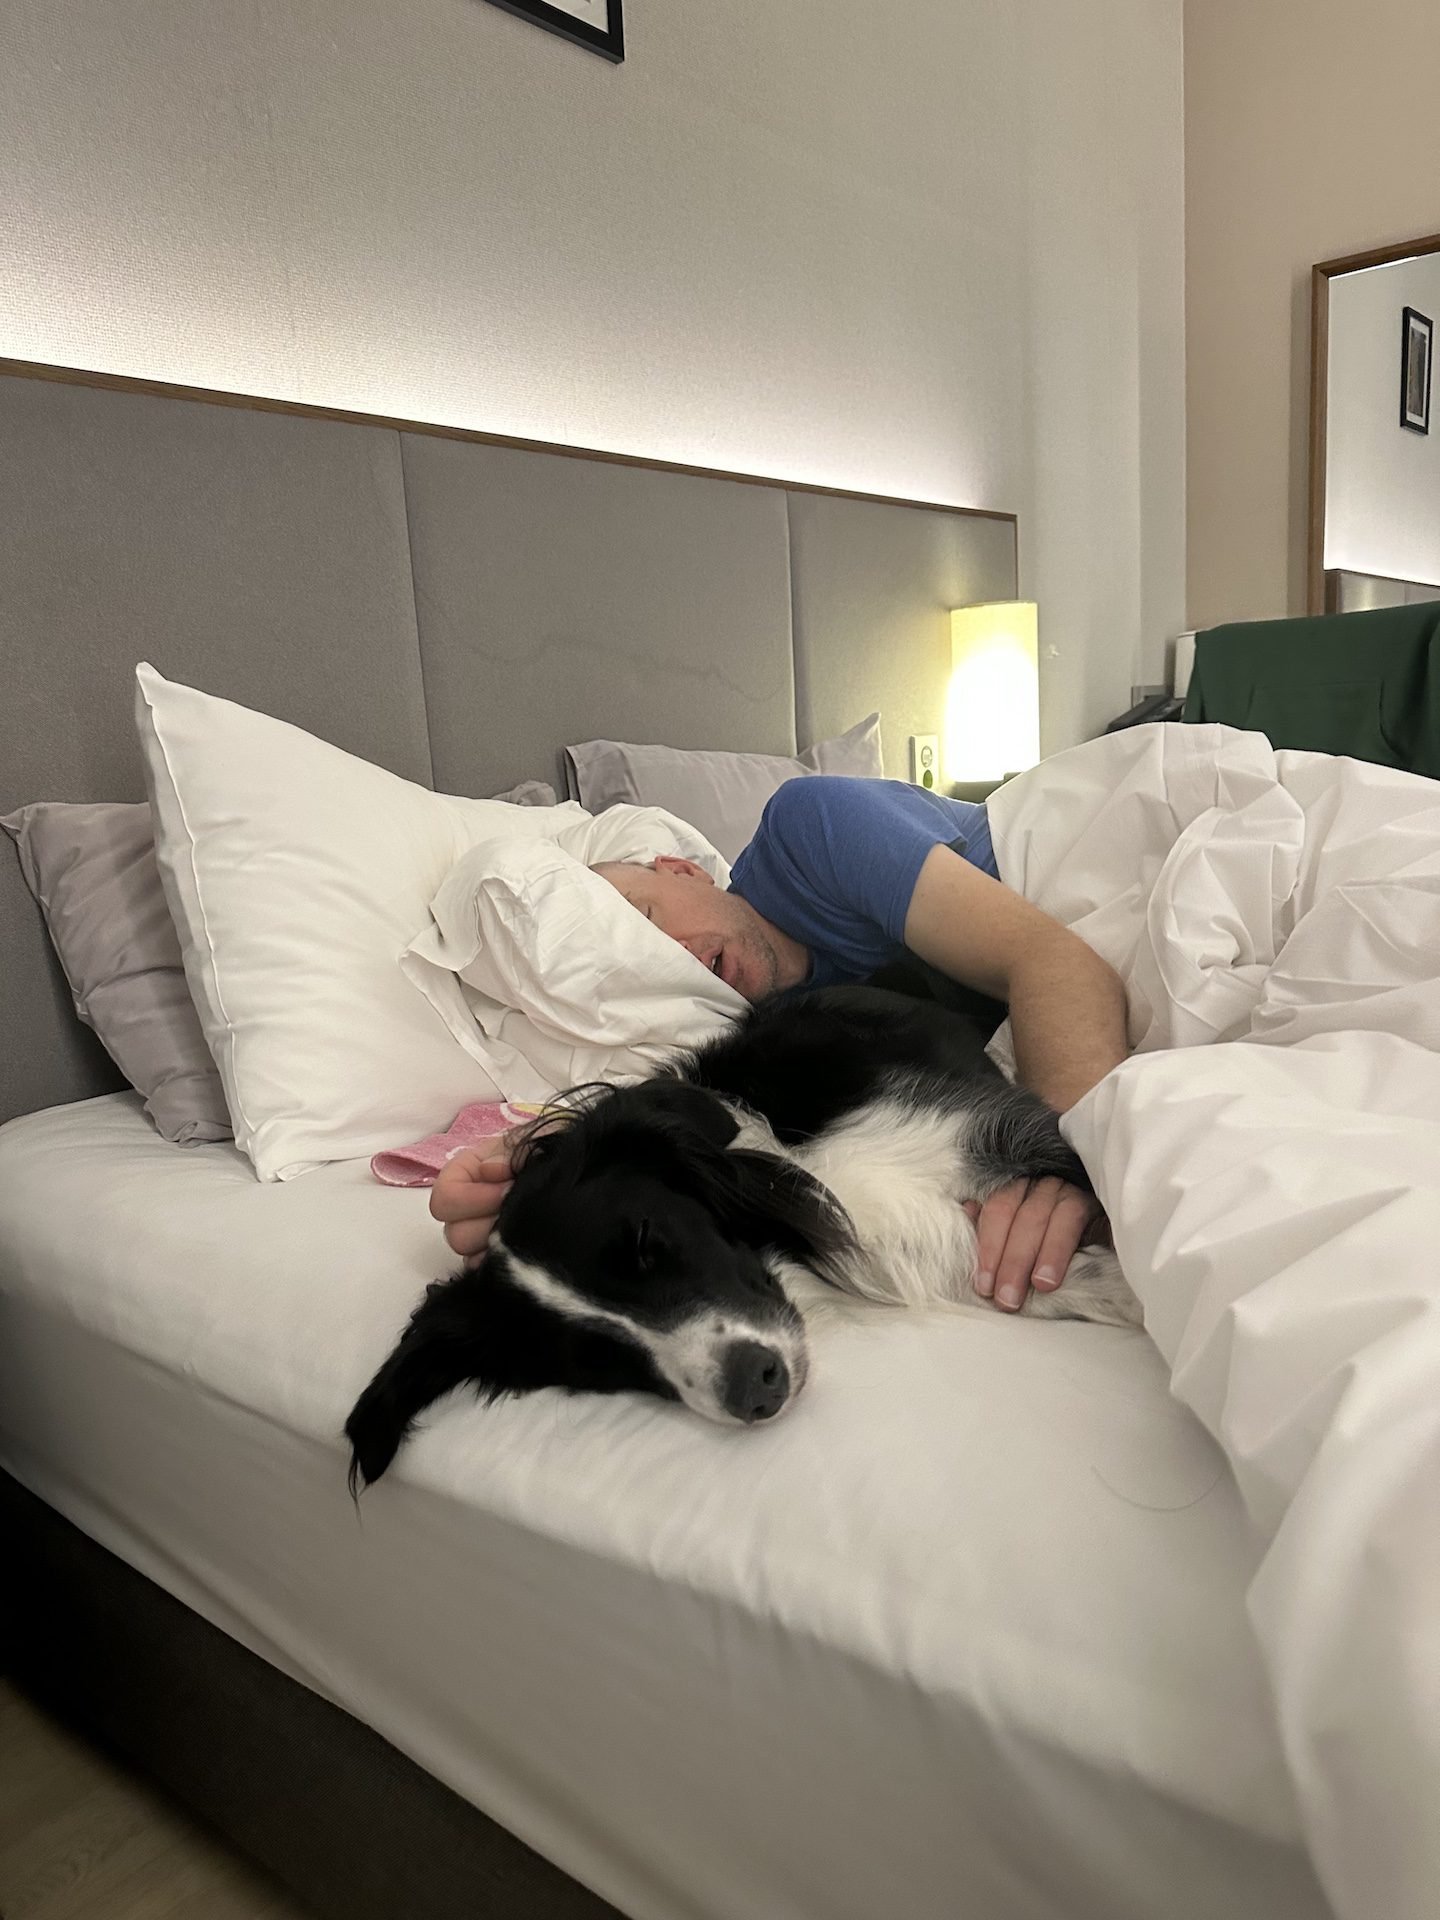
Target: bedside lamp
{"points": [[992, 709]]}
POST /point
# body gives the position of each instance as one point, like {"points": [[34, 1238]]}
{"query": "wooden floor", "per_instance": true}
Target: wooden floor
{"points": [[82, 1839]]}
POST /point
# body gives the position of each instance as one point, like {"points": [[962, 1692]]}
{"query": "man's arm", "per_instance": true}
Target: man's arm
{"points": [[1067, 1012], [1067, 1005]]}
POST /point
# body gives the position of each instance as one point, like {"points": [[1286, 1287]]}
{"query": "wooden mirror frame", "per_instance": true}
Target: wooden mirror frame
{"points": [[1320, 278]]}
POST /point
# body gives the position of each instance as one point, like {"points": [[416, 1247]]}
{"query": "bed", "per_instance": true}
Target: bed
{"points": [[968, 1633], [985, 1589]]}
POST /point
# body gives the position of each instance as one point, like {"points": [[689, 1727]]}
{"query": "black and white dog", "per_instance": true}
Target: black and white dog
{"points": [[659, 1239]]}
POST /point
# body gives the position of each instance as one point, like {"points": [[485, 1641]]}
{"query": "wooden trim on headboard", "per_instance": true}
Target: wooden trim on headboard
{"points": [[1320, 278], [216, 397]]}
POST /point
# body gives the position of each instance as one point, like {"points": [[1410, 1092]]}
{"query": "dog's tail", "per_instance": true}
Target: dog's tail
{"points": [[1015, 1136], [438, 1350]]}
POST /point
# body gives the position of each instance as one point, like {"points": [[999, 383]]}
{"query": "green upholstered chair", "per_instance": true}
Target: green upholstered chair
{"points": [[1362, 684]]}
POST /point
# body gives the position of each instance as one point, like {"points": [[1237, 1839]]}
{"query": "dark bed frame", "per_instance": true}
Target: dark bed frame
{"points": [[287, 1778]]}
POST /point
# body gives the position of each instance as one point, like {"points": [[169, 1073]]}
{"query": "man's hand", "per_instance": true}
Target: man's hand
{"points": [[1027, 1233], [467, 1194]]}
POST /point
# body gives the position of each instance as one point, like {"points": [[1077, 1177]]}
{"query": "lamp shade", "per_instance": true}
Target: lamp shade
{"points": [[992, 709]]}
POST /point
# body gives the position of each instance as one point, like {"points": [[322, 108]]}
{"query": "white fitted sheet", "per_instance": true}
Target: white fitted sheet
{"points": [[963, 1633]]}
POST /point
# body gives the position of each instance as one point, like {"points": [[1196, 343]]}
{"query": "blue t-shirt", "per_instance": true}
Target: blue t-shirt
{"points": [[834, 862]]}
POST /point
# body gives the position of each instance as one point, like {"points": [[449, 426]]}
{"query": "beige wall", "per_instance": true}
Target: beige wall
{"points": [[924, 249], [1310, 133]]}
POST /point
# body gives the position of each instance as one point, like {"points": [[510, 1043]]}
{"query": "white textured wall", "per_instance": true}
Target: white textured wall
{"points": [[1103, 518], [930, 249], [1382, 486]]}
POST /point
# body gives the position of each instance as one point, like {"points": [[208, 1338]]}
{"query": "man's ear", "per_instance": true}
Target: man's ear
{"points": [[672, 863]]}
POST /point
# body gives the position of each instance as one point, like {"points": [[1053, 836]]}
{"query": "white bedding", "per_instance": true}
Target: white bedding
{"points": [[1276, 1204], [964, 1633]]}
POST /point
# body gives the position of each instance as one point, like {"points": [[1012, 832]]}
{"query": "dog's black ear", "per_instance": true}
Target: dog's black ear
{"points": [[677, 1106], [441, 1348], [771, 1204]]}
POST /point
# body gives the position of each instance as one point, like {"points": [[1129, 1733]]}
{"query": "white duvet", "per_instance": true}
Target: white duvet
{"points": [[1270, 1159]]}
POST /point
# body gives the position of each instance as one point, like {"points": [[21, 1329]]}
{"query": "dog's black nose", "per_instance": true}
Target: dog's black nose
{"points": [[754, 1381]]}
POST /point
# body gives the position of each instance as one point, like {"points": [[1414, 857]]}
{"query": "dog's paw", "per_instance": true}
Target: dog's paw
{"points": [[1094, 1289]]}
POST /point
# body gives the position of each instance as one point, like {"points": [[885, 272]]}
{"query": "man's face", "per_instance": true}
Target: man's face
{"points": [[724, 932]]}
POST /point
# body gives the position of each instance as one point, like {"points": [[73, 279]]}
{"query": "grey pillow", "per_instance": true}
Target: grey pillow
{"points": [[529, 793], [722, 795], [92, 869]]}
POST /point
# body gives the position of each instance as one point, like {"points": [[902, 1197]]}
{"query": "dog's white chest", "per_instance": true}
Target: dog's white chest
{"points": [[901, 1175]]}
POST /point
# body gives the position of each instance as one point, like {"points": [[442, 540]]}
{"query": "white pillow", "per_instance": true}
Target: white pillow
{"points": [[721, 794], [296, 876], [564, 982]]}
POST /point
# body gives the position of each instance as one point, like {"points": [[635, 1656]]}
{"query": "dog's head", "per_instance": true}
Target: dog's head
{"points": [[634, 1253]]}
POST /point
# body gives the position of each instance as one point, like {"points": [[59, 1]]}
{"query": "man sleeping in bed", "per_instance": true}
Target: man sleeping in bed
{"points": [[843, 878]]}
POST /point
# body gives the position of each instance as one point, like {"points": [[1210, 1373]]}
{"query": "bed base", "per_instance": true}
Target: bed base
{"points": [[353, 1828]]}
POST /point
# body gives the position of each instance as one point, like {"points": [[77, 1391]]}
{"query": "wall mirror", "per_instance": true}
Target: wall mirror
{"points": [[1374, 532]]}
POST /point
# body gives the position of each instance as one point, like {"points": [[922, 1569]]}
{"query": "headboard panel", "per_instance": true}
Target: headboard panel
{"points": [[872, 586], [453, 606], [1350, 592], [261, 556], [562, 600]]}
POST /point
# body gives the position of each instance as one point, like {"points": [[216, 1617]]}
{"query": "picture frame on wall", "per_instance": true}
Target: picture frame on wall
{"points": [[1417, 357], [596, 24]]}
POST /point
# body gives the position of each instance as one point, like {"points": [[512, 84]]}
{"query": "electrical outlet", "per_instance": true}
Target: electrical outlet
{"points": [[925, 760]]}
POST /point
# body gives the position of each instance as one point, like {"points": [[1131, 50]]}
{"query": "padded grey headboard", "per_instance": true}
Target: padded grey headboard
{"points": [[455, 607], [1349, 592]]}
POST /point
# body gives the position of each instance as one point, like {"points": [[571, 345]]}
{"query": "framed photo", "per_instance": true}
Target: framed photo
{"points": [[595, 24], [1418, 352]]}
